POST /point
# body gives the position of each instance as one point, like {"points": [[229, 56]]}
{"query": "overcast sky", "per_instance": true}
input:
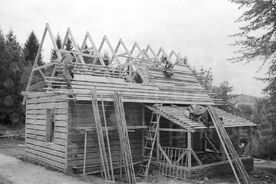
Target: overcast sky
{"points": [[198, 29]]}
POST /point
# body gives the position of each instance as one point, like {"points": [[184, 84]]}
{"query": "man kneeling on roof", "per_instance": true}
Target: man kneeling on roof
{"points": [[168, 68]]}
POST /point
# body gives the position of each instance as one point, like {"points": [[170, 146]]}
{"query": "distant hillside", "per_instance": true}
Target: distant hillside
{"points": [[244, 99]]}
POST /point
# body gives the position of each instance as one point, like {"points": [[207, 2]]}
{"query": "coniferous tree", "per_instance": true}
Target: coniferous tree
{"points": [[11, 67], [58, 43], [68, 44], [30, 50]]}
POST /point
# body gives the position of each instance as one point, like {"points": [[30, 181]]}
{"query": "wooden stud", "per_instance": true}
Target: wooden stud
{"points": [[95, 49], [84, 156], [105, 39], [189, 149]]}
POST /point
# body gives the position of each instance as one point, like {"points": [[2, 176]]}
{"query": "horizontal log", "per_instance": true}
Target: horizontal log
{"points": [[45, 160], [49, 145]]}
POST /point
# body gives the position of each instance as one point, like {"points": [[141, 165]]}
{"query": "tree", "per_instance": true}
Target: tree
{"points": [[258, 42], [11, 66], [222, 92], [204, 77], [257, 36], [68, 44], [58, 43], [30, 50]]}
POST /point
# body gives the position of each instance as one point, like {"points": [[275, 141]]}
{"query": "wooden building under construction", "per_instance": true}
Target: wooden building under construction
{"points": [[121, 118]]}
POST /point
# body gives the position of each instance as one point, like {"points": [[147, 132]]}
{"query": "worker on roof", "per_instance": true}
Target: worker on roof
{"points": [[106, 59], [68, 59], [168, 68]]}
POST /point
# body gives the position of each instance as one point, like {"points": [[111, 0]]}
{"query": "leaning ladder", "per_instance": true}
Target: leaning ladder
{"points": [[108, 173], [149, 145], [228, 146], [124, 139]]}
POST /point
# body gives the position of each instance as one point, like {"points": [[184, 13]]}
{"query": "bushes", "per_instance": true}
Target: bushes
{"points": [[265, 148]]}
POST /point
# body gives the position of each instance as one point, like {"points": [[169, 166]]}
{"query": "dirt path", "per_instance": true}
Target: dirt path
{"points": [[16, 171]]}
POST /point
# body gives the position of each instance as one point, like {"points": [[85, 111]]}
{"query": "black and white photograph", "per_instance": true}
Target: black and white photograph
{"points": [[138, 92]]}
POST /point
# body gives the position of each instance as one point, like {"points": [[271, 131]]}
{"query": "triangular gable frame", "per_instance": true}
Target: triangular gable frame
{"points": [[35, 66], [127, 52], [178, 59], [114, 56], [70, 35], [161, 50], [149, 49], [95, 49], [141, 52]]}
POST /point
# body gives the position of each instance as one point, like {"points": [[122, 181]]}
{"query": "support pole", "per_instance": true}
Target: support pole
{"points": [[222, 152], [157, 139], [205, 141], [189, 149], [143, 130], [84, 155]]}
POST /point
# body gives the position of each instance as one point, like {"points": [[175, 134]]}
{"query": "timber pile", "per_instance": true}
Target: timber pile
{"points": [[229, 149], [124, 139], [106, 165]]}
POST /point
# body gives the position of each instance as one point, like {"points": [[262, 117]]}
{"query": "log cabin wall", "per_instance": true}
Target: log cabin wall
{"points": [[81, 115], [46, 129]]}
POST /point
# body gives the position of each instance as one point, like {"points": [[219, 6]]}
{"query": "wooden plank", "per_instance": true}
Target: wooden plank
{"points": [[45, 150], [59, 123], [48, 105], [48, 145], [46, 161]]}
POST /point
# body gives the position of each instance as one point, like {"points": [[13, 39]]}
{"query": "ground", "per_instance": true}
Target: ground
{"points": [[14, 170]]}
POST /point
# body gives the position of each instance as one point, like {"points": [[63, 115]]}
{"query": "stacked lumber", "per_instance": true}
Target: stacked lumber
{"points": [[124, 139], [238, 169]]}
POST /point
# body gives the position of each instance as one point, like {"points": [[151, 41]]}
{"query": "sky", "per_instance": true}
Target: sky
{"points": [[198, 29]]}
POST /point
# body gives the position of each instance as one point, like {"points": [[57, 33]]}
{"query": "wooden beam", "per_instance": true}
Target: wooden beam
{"points": [[143, 132], [95, 48], [36, 60], [172, 130], [76, 46], [149, 48], [105, 39], [189, 149], [164, 154], [84, 156]]}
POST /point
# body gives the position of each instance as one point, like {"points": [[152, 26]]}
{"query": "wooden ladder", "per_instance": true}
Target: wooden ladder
{"points": [[108, 173], [124, 139], [229, 149], [149, 145]]}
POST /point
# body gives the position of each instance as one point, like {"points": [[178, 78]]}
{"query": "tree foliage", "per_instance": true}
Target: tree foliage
{"points": [[30, 50], [258, 42], [222, 92], [204, 77], [11, 67], [58, 43], [68, 44], [258, 35]]}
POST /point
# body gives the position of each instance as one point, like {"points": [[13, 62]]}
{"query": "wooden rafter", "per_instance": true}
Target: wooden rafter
{"points": [[141, 52], [122, 44], [70, 35], [161, 51], [105, 40], [35, 65], [94, 47], [149, 49]]}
